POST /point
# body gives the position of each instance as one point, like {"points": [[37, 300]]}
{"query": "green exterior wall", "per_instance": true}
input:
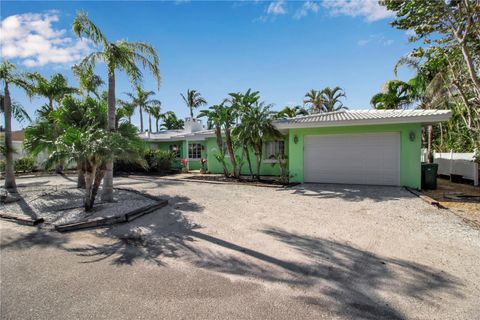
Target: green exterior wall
{"points": [[176, 164], [410, 166], [266, 168]]}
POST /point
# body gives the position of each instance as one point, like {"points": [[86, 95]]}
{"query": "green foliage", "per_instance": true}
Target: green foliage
{"points": [[159, 160], [290, 112], [26, 164], [193, 99], [171, 122], [395, 95]]}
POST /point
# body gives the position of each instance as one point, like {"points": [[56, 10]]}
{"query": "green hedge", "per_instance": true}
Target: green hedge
{"points": [[154, 161], [25, 164]]}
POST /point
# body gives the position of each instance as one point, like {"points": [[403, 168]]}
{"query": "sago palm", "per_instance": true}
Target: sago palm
{"points": [[9, 77], [332, 99], [313, 99], [119, 55], [193, 99]]}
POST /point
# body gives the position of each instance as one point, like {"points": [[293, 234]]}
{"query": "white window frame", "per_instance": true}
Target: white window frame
{"points": [[275, 145], [190, 148]]}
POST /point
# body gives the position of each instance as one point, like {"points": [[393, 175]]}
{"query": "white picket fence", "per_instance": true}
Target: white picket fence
{"points": [[456, 163]]}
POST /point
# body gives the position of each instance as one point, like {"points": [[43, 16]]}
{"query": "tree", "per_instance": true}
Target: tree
{"points": [[83, 139], [54, 89], [193, 99], [228, 113], [213, 114], [395, 95], [9, 77], [444, 23], [120, 55], [127, 108], [153, 106], [88, 80], [314, 100], [142, 100], [156, 112], [331, 99], [171, 122], [258, 120], [290, 112]]}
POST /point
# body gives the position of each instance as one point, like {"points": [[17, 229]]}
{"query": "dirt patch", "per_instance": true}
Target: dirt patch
{"points": [[462, 199]]}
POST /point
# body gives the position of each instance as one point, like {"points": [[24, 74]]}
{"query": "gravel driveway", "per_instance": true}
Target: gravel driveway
{"points": [[235, 251]]}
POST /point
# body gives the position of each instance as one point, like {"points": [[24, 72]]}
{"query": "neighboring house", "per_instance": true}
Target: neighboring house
{"points": [[378, 147], [19, 151]]}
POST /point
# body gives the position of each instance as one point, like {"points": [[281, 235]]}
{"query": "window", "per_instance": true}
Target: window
{"points": [[175, 149], [274, 149], [195, 151]]}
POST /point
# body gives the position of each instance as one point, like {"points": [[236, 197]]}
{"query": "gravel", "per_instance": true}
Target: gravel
{"points": [[244, 252]]}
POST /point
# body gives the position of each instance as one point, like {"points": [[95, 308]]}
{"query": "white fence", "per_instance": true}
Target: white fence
{"points": [[20, 153], [462, 164]]}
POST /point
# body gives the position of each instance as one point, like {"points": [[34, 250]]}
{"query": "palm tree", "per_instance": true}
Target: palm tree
{"points": [[155, 112], [142, 100], [193, 99], [314, 100], [89, 81], [331, 99], [127, 108], [153, 104], [171, 122], [259, 122], [290, 112], [9, 77], [395, 95], [54, 89], [213, 115], [120, 55]]}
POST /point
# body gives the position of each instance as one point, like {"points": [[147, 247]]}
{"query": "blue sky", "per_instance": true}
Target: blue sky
{"points": [[283, 49]]}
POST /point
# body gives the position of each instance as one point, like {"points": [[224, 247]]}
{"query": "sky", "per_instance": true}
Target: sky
{"points": [[282, 49]]}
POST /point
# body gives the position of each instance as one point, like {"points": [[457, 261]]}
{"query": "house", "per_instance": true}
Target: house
{"points": [[377, 147]]}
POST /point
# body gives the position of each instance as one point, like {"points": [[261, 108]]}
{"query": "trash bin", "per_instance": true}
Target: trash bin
{"points": [[429, 175]]}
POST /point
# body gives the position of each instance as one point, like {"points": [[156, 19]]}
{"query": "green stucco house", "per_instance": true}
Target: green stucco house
{"points": [[377, 147]]}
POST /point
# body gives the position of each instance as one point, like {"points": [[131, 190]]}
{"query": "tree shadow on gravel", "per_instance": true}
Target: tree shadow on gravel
{"points": [[160, 234], [353, 193], [341, 278]]}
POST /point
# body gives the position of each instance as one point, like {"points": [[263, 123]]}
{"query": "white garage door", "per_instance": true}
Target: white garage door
{"points": [[356, 159]]}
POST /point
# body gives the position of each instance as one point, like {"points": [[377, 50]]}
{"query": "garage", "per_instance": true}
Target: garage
{"points": [[370, 158]]}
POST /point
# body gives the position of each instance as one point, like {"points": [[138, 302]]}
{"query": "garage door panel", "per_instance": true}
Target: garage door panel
{"points": [[361, 158]]}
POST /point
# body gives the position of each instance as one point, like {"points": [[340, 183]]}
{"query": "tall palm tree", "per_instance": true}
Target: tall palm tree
{"points": [[331, 99], [9, 77], [54, 89], [314, 100], [156, 112], [171, 122], [193, 99], [89, 81], [153, 104], [119, 55], [395, 95], [142, 100]]}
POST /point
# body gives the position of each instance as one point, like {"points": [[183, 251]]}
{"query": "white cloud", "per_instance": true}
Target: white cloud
{"points": [[276, 8], [31, 38], [370, 9], [308, 6], [375, 39]]}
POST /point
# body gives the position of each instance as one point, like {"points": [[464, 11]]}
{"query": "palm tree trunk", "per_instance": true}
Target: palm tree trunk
{"points": [[130, 119], [10, 184], [191, 111], [99, 174], [81, 175], [218, 134], [141, 118], [156, 124], [228, 138], [149, 123], [90, 171], [247, 153], [107, 192]]}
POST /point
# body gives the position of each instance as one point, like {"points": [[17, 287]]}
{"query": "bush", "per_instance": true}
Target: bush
{"points": [[25, 164], [154, 161], [2, 165]]}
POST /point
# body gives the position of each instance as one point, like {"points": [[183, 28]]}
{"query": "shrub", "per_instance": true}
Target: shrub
{"points": [[2, 165], [160, 160], [25, 164]]}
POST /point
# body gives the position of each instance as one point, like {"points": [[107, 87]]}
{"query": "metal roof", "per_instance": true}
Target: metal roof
{"points": [[364, 117]]}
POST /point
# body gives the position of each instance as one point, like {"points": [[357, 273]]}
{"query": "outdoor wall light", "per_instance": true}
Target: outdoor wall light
{"points": [[412, 136], [295, 139]]}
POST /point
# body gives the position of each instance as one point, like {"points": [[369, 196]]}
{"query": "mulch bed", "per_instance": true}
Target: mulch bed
{"points": [[244, 180]]}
